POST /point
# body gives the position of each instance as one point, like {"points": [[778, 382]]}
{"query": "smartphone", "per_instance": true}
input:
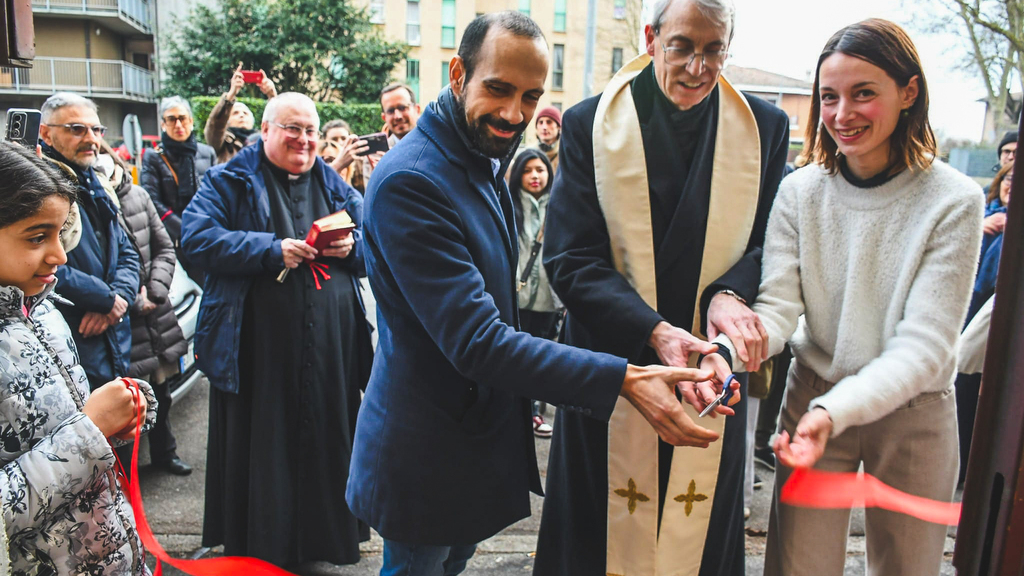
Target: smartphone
{"points": [[378, 142], [23, 127], [252, 76]]}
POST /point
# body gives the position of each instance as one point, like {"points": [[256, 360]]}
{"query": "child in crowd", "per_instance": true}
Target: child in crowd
{"points": [[63, 509]]}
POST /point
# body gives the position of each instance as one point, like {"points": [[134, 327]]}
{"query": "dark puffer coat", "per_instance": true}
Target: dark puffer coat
{"points": [[168, 188], [156, 335]]}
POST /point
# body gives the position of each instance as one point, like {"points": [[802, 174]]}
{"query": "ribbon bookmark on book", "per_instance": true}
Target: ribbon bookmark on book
{"points": [[809, 488], [227, 565]]}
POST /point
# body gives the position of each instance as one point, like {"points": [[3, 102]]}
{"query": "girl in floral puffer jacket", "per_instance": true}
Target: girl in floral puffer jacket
{"points": [[62, 507]]}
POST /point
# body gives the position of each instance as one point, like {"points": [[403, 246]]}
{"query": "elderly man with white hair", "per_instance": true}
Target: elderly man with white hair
{"points": [[653, 242], [286, 355]]}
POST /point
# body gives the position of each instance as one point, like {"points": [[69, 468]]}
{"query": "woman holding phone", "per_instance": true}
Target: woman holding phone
{"points": [[875, 244]]}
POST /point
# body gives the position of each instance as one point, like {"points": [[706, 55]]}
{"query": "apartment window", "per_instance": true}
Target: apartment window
{"points": [[412, 23], [444, 73], [447, 23], [412, 76], [376, 11], [559, 15], [524, 6], [557, 67], [616, 59], [620, 10], [557, 105]]}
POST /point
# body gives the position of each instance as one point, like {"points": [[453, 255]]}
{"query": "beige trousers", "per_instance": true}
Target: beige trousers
{"points": [[914, 449]]}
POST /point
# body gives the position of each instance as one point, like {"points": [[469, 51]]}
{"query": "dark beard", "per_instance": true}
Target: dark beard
{"points": [[481, 138]]}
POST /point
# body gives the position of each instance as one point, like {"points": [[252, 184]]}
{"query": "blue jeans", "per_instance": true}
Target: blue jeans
{"points": [[424, 560]]}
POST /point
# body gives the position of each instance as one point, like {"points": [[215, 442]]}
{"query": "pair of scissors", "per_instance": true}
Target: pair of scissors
{"points": [[726, 393]]}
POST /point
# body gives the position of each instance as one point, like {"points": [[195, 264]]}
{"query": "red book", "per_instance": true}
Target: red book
{"points": [[328, 229]]}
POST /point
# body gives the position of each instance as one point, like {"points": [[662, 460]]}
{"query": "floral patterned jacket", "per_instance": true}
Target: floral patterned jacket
{"points": [[63, 509]]}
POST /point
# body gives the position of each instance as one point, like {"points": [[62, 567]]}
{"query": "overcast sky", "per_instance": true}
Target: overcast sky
{"points": [[786, 36]]}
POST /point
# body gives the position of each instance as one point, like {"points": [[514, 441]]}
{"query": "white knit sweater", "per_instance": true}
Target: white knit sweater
{"points": [[870, 286]]}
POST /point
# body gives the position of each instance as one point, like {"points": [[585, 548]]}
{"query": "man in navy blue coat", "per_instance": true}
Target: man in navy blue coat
{"points": [[444, 454], [101, 276]]}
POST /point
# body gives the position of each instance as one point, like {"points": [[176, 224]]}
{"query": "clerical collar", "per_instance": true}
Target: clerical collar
{"points": [[283, 176], [872, 182]]}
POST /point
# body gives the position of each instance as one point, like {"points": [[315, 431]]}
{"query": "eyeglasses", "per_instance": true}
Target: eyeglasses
{"points": [[400, 108], [710, 59], [294, 131], [172, 120], [79, 130], [1008, 179]]}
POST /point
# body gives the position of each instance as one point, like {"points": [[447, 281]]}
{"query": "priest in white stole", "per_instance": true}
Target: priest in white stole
{"points": [[660, 204]]}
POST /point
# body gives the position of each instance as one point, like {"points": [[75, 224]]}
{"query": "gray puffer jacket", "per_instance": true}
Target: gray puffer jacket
{"points": [[155, 336], [64, 511]]}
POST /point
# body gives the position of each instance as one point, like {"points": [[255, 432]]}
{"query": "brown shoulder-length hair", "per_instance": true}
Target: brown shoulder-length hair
{"points": [[997, 182], [887, 46]]}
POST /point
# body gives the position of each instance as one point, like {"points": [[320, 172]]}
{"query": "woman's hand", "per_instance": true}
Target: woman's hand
{"points": [[994, 224], [237, 82], [808, 444], [351, 148], [267, 86], [111, 408], [700, 394]]}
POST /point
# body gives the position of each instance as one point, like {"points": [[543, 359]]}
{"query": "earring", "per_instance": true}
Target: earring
{"points": [[905, 113]]}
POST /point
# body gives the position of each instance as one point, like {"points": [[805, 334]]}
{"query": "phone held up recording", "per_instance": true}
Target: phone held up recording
{"points": [[23, 127]]}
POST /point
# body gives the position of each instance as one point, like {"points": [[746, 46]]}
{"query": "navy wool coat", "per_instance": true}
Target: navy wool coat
{"points": [[444, 451]]}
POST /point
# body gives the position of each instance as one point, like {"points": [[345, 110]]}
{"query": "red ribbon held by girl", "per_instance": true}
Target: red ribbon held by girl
{"points": [[204, 567], [809, 488]]}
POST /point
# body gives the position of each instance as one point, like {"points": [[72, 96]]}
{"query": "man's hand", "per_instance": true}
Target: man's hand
{"points": [[350, 149], [807, 447], [237, 81], [728, 315], [145, 304], [340, 248], [700, 394], [267, 86], [93, 324], [650, 390], [674, 345], [117, 311], [296, 251], [994, 224]]}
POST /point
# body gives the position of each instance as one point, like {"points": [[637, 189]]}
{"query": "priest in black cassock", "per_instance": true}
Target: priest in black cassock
{"points": [[287, 355], [659, 208]]}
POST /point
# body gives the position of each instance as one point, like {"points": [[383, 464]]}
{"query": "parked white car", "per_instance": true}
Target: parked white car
{"points": [[185, 296]]}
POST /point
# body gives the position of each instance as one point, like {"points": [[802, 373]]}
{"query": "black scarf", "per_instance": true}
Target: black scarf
{"points": [[182, 156], [241, 135]]}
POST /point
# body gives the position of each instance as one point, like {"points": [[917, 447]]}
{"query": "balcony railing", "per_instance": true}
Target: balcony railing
{"points": [[88, 77], [135, 12]]}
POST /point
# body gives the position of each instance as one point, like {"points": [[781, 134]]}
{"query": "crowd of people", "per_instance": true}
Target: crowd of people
{"points": [[622, 268]]}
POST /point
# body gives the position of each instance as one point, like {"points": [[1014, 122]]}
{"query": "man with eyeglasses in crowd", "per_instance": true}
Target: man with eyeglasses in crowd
{"points": [[101, 277], [399, 111], [659, 210], [286, 354]]}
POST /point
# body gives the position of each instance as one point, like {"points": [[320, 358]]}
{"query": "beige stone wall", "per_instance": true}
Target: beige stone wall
{"points": [[60, 38], [105, 45]]}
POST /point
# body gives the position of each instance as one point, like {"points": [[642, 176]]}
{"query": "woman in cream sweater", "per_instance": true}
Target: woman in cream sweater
{"points": [[869, 258]]}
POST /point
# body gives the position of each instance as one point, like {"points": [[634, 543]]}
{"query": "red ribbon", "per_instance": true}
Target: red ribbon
{"points": [[205, 567], [809, 488], [322, 268]]}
